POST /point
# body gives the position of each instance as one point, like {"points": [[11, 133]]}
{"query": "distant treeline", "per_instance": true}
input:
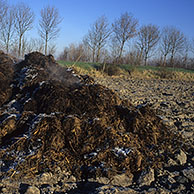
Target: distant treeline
{"points": [[17, 20], [120, 42], [124, 42]]}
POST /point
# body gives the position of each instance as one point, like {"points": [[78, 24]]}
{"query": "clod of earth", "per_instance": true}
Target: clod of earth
{"points": [[51, 117]]}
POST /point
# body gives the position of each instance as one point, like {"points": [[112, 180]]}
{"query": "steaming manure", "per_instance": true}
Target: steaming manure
{"points": [[56, 118]]}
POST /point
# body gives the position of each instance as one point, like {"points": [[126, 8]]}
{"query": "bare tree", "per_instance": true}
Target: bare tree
{"points": [[3, 9], [148, 38], [177, 43], [31, 45], [114, 49], [90, 42], [165, 45], [14, 48], [124, 29], [52, 49], [74, 52], [173, 41], [7, 30], [24, 45], [35, 45], [24, 18], [97, 37], [86, 52], [64, 54], [185, 56], [48, 24], [133, 57]]}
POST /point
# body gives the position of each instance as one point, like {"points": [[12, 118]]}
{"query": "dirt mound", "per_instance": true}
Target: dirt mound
{"points": [[6, 75], [56, 118]]}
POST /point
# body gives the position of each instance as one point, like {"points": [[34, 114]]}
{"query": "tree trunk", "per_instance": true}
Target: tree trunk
{"points": [[93, 55], [145, 59], [164, 61], [172, 59], [7, 47], [7, 43], [45, 52], [121, 50], [46, 43], [20, 45], [98, 55], [185, 60]]}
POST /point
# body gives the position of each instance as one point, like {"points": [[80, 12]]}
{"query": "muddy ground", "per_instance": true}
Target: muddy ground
{"points": [[61, 132], [173, 100]]}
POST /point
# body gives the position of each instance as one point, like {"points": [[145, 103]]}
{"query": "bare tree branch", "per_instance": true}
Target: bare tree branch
{"points": [[192, 45], [97, 37], [24, 19], [148, 38], [177, 43], [48, 24], [35, 44], [7, 31], [165, 45], [124, 28], [172, 42], [3, 10]]}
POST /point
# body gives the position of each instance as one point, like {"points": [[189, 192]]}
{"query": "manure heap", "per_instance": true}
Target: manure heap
{"points": [[51, 117]]}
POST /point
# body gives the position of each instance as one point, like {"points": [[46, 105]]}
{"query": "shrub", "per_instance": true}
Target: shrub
{"points": [[111, 70], [163, 73]]}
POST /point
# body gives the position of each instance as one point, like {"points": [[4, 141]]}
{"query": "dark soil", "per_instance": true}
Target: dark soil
{"points": [[6, 76], [52, 117]]}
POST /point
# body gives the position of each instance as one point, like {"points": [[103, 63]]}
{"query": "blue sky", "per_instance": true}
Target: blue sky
{"points": [[79, 15]]}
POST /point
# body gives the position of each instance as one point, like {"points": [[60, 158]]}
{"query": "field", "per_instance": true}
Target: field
{"points": [[147, 72], [62, 131]]}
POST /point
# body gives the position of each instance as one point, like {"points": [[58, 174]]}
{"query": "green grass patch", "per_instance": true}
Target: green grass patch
{"points": [[83, 65], [155, 68], [138, 68], [89, 66], [179, 70]]}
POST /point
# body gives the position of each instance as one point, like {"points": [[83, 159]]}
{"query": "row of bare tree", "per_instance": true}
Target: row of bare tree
{"points": [[109, 43], [16, 21], [104, 42]]}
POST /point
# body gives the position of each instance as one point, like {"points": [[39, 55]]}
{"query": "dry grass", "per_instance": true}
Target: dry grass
{"points": [[135, 73], [150, 74], [184, 76], [93, 72]]}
